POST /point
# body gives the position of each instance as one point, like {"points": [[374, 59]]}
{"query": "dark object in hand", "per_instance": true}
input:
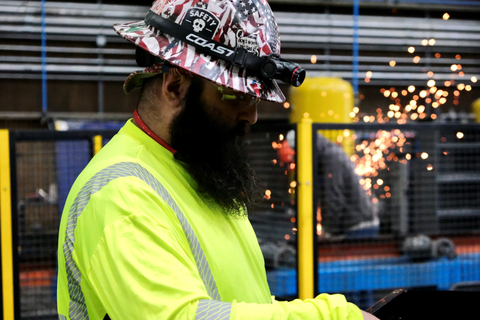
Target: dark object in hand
{"points": [[424, 305]]}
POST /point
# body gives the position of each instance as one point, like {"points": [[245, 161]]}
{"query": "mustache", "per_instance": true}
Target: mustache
{"points": [[240, 130]]}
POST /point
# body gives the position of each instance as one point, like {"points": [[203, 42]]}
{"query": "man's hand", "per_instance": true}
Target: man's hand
{"points": [[368, 316]]}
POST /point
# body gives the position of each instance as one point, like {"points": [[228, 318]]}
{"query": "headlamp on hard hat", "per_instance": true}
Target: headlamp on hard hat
{"points": [[283, 70], [268, 67]]}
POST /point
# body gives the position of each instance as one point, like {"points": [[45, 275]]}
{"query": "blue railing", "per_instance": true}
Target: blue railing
{"points": [[380, 274]]}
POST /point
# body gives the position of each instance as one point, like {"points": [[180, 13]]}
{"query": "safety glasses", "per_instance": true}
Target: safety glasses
{"points": [[236, 98]]}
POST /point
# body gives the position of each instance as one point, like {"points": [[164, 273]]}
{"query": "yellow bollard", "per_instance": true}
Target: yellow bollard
{"points": [[97, 144], [305, 209], [6, 226], [476, 109]]}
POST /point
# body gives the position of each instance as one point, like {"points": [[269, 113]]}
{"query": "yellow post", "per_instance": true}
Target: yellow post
{"points": [[6, 226], [476, 109], [97, 144], [305, 209]]}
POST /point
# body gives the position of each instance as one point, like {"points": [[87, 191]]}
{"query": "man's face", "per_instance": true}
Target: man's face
{"points": [[208, 135]]}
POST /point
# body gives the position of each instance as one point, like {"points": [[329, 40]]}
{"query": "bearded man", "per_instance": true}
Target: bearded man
{"points": [[156, 226]]}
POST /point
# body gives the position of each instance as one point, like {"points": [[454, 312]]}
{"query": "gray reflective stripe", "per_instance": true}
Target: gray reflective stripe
{"points": [[77, 307], [213, 310], [61, 317]]}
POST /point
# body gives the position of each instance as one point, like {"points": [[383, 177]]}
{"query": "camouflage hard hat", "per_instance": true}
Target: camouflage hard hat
{"points": [[247, 24]]}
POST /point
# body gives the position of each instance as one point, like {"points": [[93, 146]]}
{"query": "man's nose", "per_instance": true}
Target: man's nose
{"points": [[248, 113]]}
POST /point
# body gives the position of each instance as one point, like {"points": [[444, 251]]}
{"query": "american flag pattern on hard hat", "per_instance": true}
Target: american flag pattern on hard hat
{"points": [[245, 23]]}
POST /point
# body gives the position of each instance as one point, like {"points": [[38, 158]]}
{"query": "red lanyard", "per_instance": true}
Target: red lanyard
{"points": [[152, 135]]}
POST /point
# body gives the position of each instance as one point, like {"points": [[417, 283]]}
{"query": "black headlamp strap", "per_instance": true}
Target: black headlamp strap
{"points": [[239, 57]]}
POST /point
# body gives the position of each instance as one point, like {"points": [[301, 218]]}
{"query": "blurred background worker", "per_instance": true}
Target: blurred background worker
{"points": [[343, 206], [156, 225]]}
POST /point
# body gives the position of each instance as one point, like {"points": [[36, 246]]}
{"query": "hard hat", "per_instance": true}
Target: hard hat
{"points": [[233, 43]]}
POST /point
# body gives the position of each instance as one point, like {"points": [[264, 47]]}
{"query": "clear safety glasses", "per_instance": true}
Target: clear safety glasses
{"points": [[237, 98]]}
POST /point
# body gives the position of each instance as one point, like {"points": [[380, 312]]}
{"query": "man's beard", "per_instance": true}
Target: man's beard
{"points": [[215, 154]]}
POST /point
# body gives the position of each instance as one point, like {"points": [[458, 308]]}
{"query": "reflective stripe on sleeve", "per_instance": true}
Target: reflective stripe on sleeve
{"points": [[213, 310], [77, 306]]}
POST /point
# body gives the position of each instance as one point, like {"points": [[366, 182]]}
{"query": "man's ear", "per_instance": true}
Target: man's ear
{"points": [[175, 88]]}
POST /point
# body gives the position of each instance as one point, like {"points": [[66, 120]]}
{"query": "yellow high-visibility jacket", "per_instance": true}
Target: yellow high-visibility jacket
{"points": [[137, 242]]}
